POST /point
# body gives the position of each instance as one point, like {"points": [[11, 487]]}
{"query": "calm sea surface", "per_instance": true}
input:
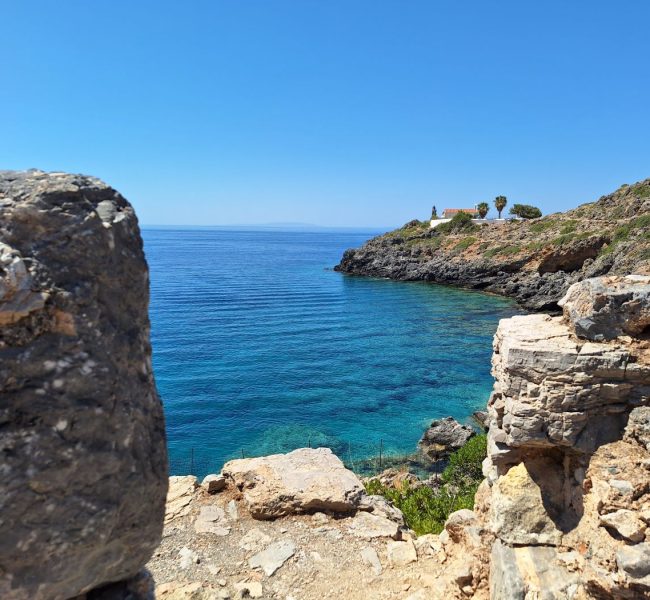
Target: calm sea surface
{"points": [[260, 347]]}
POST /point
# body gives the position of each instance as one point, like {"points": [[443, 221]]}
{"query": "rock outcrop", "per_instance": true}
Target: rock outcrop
{"points": [[443, 437], [84, 462], [568, 469], [608, 307], [305, 480], [533, 262]]}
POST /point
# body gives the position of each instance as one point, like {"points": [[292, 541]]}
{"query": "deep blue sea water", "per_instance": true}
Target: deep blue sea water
{"points": [[260, 347]]}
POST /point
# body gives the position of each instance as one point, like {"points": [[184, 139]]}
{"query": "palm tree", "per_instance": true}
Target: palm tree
{"points": [[500, 203], [482, 209]]}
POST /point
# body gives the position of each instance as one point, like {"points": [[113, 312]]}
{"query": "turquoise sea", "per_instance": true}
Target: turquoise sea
{"points": [[259, 346]]}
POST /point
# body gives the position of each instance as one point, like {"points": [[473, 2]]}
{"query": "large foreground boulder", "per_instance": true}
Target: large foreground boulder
{"points": [[84, 467], [304, 480]]}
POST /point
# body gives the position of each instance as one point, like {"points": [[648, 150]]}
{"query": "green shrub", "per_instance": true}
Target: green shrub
{"points": [[502, 250], [535, 245], [568, 226], [492, 252], [642, 190], [466, 463], [525, 211], [623, 232], [510, 250], [460, 222], [543, 225], [465, 243], [426, 510], [641, 222], [563, 239]]}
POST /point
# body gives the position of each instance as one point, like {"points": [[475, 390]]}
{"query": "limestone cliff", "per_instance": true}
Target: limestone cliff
{"points": [[83, 461], [567, 494], [533, 261]]}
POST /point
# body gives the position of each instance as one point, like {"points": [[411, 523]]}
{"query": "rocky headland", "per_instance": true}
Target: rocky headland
{"points": [[88, 511], [533, 261]]}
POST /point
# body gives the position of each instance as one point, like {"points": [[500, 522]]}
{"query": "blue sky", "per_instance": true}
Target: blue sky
{"points": [[337, 112]]}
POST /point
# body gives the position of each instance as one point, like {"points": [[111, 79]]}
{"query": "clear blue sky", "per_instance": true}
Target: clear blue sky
{"points": [[333, 112]]}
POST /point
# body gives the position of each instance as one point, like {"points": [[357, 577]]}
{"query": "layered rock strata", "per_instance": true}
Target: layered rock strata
{"points": [[83, 464], [568, 469]]}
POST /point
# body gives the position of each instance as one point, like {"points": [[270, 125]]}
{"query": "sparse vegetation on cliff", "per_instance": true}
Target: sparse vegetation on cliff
{"points": [[531, 260], [425, 509]]}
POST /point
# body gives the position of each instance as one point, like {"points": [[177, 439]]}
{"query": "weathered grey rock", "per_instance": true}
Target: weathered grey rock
{"points": [[84, 468], [379, 506], [395, 478], [232, 510], [273, 557], [626, 523], [254, 539], [212, 519], [529, 572], [187, 557], [305, 480], [550, 386], [638, 426], [369, 525], [369, 555], [482, 418], [443, 437], [179, 496], [635, 560], [401, 554], [603, 308], [213, 483]]}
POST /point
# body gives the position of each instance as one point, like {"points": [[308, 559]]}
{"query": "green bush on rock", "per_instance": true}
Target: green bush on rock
{"points": [[460, 222], [426, 510]]}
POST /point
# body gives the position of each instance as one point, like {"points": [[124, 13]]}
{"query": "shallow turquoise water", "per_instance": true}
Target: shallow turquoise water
{"points": [[260, 347]]}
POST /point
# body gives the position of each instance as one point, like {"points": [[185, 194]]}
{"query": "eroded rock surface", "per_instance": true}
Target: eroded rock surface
{"points": [[82, 493], [605, 308], [568, 465], [304, 480]]}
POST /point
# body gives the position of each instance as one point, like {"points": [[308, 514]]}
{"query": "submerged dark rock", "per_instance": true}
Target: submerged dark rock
{"points": [[84, 465]]}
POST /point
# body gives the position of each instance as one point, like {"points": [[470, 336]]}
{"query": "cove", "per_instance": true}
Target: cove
{"points": [[259, 347]]}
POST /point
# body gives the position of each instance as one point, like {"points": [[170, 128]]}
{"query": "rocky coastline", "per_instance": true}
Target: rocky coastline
{"points": [[88, 511], [534, 262]]}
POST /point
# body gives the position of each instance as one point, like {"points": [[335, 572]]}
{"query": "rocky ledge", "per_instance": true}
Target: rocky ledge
{"points": [[563, 514], [533, 261], [301, 526]]}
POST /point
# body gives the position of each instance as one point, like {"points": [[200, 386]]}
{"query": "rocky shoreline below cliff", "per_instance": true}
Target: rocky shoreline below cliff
{"points": [[533, 262]]}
